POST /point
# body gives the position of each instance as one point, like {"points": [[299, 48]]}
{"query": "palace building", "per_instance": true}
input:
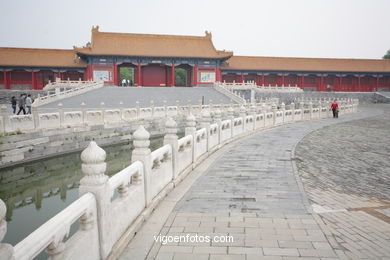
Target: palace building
{"points": [[153, 60]]}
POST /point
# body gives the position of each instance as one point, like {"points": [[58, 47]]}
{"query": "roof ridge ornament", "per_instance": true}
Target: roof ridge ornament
{"points": [[95, 28], [208, 34]]}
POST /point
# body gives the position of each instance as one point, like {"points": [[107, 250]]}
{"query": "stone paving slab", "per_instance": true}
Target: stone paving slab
{"points": [[252, 194]]}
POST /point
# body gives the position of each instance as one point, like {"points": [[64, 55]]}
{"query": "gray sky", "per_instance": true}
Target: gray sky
{"points": [[287, 28]]}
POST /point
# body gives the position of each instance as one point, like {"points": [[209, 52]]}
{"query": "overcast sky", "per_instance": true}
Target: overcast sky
{"points": [[289, 28]]}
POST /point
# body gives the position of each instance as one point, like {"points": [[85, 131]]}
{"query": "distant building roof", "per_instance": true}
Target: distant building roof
{"points": [[26, 57], [151, 45], [306, 64]]}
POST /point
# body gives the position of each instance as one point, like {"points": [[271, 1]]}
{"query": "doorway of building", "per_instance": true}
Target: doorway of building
{"points": [[126, 74], [180, 77], [183, 75]]}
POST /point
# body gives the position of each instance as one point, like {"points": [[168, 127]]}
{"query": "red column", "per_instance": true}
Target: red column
{"points": [[359, 84], [59, 75], [283, 80], [322, 83], [88, 73], [302, 81], [115, 75], [196, 75], [33, 81], [242, 78], [5, 76], [340, 83], [217, 75], [139, 75], [173, 75], [377, 83], [262, 80]]}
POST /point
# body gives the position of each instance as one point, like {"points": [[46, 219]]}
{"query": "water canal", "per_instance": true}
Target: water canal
{"points": [[35, 192]]}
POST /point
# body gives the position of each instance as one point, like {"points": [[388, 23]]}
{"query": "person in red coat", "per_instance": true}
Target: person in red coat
{"points": [[335, 109]]}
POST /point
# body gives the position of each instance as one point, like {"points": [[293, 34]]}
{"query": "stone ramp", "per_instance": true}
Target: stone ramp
{"points": [[250, 193], [111, 96]]}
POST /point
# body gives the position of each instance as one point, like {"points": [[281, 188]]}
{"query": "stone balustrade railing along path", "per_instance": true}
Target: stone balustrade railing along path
{"points": [[251, 85], [112, 209], [101, 116], [66, 89]]}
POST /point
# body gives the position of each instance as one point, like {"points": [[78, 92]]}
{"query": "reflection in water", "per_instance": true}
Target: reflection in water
{"points": [[35, 192]]}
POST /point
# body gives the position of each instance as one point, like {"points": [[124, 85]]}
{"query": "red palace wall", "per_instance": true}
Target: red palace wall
{"points": [[318, 82]]}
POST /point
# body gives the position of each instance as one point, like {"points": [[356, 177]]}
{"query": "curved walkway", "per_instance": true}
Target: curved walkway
{"points": [[251, 192]]}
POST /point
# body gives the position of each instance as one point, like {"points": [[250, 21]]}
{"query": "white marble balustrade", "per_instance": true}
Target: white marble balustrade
{"points": [[111, 209]]}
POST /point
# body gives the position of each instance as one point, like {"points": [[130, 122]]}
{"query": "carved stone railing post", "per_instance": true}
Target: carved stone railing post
{"points": [[83, 113], [103, 110], [242, 114], [178, 106], [142, 153], [152, 107], [138, 109], [172, 139], [6, 122], [311, 110], [96, 181], [274, 110], [252, 110], [190, 129], [35, 117], [218, 120], [189, 107], [283, 109], [230, 115], [121, 108], [292, 108], [165, 108], [320, 108], [61, 112], [205, 123], [6, 250]]}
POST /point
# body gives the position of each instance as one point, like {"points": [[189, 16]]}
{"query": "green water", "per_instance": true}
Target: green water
{"points": [[35, 192]]}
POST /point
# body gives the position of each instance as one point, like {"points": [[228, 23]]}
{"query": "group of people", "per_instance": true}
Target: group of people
{"points": [[23, 102], [127, 82]]}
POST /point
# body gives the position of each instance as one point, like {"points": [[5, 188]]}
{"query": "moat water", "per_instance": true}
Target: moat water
{"points": [[35, 192]]}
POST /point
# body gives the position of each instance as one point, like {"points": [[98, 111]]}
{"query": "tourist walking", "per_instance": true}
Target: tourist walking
{"points": [[123, 82], [29, 102], [13, 104], [335, 109], [22, 104]]}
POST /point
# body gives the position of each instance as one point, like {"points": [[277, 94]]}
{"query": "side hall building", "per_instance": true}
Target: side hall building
{"points": [[154, 60]]}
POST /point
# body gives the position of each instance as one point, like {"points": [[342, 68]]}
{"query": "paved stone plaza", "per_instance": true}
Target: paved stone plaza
{"points": [[252, 191], [112, 96], [345, 170]]}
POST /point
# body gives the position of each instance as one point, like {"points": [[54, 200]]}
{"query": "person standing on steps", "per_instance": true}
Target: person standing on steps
{"points": [[22, 104], [335, 109], [29, 102], [13, 104]]}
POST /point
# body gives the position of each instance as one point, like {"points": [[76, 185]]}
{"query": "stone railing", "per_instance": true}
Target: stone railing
{"points": [[64, 90], [99, 116], [251, 85], [66, 84], [221, 87], [108, 221]]}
